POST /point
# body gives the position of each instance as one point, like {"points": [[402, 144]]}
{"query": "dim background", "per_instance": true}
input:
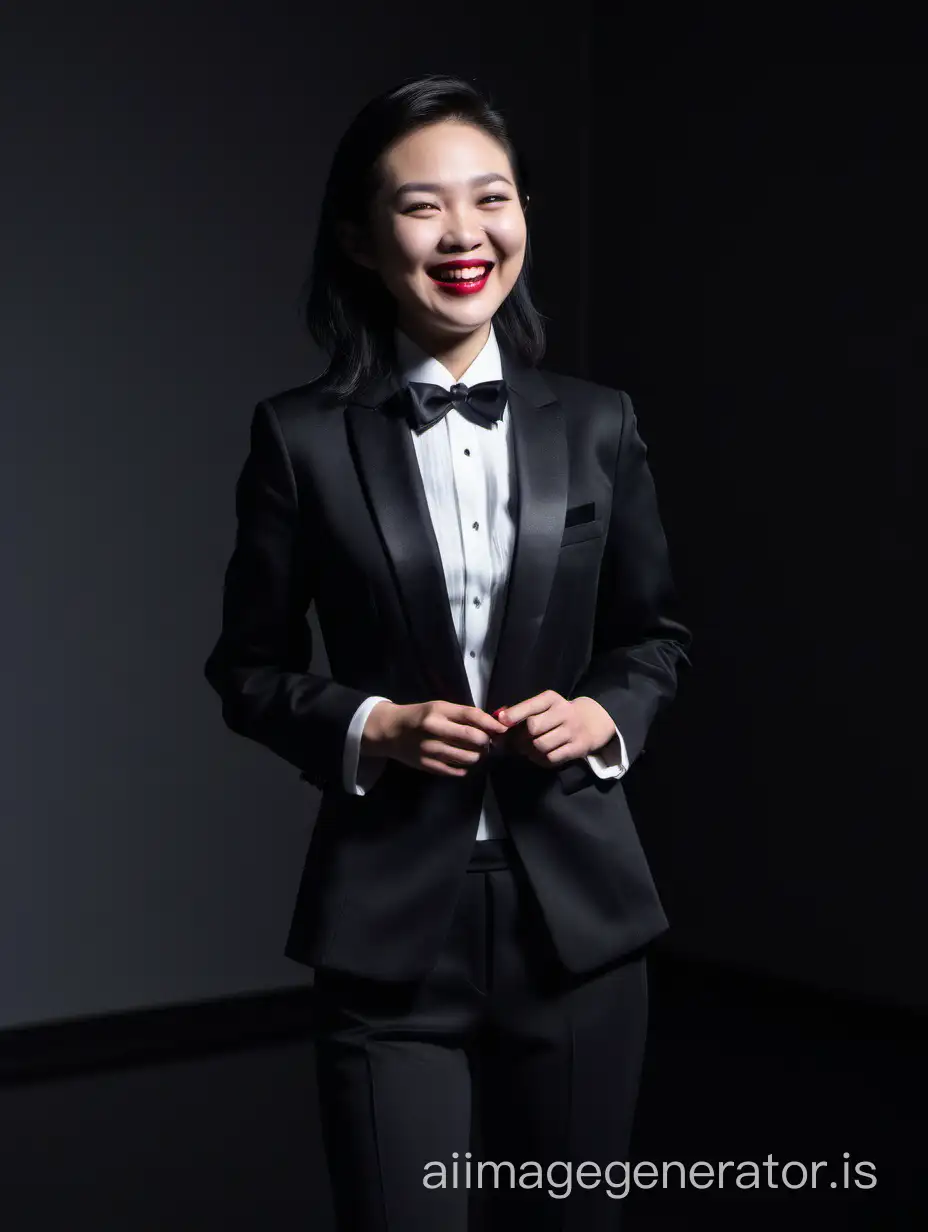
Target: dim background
{"points": [[728, 223]]}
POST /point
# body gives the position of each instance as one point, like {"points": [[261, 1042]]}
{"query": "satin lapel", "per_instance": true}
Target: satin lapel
{"points": [[389, 472], [539, 478]]}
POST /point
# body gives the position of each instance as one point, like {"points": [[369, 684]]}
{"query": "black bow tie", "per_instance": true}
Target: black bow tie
{"points": [[427, 404]]}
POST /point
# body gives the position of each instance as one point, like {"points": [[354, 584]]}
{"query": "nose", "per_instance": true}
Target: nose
{"points": [[464, 233]]}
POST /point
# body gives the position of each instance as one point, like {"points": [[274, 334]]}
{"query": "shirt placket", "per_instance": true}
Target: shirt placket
{"points": [[470, 485]]}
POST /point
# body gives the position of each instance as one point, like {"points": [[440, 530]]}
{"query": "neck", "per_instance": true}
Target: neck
{"points": [[456, 353]]}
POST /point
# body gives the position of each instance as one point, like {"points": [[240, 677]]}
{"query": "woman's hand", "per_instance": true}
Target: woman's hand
{"points": [[439, 737], [549, 730]]}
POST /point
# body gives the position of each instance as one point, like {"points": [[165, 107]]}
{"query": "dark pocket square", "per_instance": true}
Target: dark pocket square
{"points": [[580, 513]]}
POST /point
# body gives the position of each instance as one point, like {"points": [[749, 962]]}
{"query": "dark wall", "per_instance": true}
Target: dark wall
{"points": [[162, 167], [759, 287]]}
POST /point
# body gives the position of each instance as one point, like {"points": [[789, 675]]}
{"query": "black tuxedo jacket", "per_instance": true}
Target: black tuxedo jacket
{"points": [[331, 509]]}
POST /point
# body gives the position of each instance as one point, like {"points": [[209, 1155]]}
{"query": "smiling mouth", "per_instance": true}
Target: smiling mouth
{"points": [[469, 273]]}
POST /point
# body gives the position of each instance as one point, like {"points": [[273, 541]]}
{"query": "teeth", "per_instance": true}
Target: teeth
{"points": [[459, 275]]}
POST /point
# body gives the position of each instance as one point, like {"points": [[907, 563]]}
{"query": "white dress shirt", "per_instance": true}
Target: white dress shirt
{"points": [[465, 469]]}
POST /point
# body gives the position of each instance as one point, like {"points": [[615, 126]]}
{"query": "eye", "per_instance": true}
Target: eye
{"points": [[418, 205]]}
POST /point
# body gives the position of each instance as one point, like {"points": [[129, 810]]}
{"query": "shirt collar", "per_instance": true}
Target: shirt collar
{"points": [[416, 365]]}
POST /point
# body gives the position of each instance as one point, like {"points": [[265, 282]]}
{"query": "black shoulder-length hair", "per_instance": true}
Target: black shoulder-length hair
{"points": [[347, 309]]}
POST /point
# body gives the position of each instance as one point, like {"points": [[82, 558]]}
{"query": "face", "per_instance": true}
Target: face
{"points": [[466, 207]]}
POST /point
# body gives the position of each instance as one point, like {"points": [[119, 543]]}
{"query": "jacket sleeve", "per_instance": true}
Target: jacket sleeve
{"points": [[639, 640], [260, 663]]}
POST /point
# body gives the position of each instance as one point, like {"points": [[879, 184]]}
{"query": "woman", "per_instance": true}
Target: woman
{"points": [[478, 535]]}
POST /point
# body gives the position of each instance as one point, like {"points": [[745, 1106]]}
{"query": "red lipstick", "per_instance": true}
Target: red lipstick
{"points": [[459, 286]]}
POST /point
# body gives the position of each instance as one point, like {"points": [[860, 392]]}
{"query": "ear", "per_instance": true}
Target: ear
{"points": [[352, 241]]}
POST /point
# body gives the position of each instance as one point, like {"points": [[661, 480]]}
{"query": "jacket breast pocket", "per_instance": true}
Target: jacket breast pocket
{"points": [[581, 523]]}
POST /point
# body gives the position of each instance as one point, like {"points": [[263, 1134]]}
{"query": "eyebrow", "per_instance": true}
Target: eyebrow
{"points": [[422, 186]]}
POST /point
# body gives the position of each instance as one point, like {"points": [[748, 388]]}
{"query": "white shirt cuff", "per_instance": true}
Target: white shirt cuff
{"points": [[360, 772], [610, 762]]}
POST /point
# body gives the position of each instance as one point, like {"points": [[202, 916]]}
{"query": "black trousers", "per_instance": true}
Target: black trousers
{"points": [[499, 1052]]}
